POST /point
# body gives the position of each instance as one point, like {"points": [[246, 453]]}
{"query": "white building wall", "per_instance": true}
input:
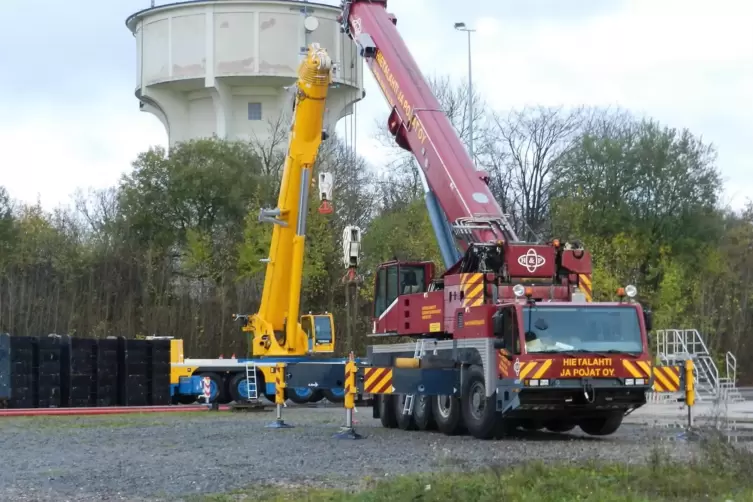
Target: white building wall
{"points": [[209, 67]]}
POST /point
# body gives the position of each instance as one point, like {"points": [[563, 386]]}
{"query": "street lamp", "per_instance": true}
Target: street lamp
{"points": [[462, 27]]}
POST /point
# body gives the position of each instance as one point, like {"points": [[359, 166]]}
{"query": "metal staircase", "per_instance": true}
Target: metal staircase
{"points": [[675, 346]]}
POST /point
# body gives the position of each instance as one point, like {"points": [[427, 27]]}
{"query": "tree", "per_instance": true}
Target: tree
{"points": [[643, 187], [533, 141]]}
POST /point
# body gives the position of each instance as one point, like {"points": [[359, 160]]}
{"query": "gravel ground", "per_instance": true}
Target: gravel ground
{"points": [[171, 456]]}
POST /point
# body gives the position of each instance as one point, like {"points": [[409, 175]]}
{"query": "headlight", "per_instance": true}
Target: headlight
{"points": [[631, 290], [518, 290]]}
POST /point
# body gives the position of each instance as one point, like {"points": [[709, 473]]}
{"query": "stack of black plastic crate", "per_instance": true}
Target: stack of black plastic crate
{"points": [[145, 372], [24, 372], [83, 373], [4, 370], [159, 385], [60, 371], [107, 372], [54, 370]]}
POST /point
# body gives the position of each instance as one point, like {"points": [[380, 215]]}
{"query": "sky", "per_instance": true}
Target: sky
{"points": [[69, 118]]}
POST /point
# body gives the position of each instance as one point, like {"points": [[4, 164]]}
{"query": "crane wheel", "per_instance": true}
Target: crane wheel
{"points": [[386, 410], [601, 426], [479, 412], [446, 411], [422, 413], [218, 393], [304, 397], [559, 426], [334, 397], [316, 396], [404, 422]]}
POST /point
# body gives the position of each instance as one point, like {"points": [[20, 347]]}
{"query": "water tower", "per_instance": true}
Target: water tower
{"points": [[220, 67]]}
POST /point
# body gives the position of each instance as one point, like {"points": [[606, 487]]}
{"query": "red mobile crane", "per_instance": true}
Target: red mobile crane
{"points": [[508, 336]]}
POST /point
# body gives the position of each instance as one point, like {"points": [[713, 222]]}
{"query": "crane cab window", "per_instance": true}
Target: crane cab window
{"points": [[395, 280], [322, 329], [318, 329]]}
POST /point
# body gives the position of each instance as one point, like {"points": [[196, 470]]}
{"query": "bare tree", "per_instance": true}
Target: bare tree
{"points": [[531, 143]]}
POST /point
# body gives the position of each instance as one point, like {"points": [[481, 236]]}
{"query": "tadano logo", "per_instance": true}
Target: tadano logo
{"points": [[531, 260]]}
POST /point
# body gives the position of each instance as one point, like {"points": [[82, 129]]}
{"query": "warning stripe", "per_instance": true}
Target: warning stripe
{"points": [[504, 364], [377, 380], [472, 287], [637, 369], [584, 283], [534, 369], [348, 375], [666, 379]]}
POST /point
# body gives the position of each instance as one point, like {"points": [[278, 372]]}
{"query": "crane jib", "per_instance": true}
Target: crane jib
{"points": [[419, 125]]}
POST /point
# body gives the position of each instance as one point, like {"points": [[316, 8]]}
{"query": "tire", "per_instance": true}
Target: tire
{"points": [[423, 414], [446, 411], [404, 422], [186, 399], [237, 387], [217, 388], [316, 396], [334, 396], [504, 427], [386, 410], [300, 395], [270, 397], [602, 426], [479, 412], [531, 425], [559, 426]]}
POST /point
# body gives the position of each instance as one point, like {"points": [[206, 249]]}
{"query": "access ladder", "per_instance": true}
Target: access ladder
{"points": [[418, 353], [252, 393]]}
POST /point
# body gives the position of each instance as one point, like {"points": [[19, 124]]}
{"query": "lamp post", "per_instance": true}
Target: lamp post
{"points": [[462, 27]]}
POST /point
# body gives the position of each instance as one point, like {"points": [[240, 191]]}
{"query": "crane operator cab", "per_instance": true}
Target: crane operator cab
{"points": [[320, 332]]}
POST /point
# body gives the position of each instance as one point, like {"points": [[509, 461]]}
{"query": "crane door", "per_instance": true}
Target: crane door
{"points": [[320, 332]]}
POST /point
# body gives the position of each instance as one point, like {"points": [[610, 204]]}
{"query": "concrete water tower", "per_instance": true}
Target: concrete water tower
{"points": [[220, 67]]}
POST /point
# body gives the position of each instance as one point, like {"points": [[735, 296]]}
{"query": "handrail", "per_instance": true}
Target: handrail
{"points": [[731, 362]]}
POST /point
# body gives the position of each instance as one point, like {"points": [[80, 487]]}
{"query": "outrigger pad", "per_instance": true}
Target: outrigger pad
{"points": [[279, 424], [347, 433]]}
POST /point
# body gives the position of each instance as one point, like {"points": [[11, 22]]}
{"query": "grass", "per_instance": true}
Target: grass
{"points": [[721, 472]]}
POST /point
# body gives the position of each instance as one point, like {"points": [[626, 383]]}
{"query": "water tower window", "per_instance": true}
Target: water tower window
{"points": [[254, 111]]}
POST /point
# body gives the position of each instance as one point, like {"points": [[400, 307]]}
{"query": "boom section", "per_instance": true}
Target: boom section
{"points": [[420, 126], [277, 320]]}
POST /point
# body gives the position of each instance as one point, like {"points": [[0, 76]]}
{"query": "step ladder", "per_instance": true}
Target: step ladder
{"points": [[418, 353], [252, 391]]}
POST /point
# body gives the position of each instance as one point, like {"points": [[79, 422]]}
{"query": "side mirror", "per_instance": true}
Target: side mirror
{"points": [[648, 320], [498, 324]]}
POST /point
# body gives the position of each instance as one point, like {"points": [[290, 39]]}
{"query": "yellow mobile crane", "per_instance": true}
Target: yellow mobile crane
{"points": [[277, 333]]}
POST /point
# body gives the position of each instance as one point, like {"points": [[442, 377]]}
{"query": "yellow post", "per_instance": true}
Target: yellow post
{"points": [[350, 383], [689, 390], [348, 432], [280, 386]]}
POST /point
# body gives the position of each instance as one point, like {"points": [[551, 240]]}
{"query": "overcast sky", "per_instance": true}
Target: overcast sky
{"points": [[69, 118]]}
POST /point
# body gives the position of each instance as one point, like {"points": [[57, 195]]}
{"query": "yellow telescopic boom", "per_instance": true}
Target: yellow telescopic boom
{"points": [[276, 328]]}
